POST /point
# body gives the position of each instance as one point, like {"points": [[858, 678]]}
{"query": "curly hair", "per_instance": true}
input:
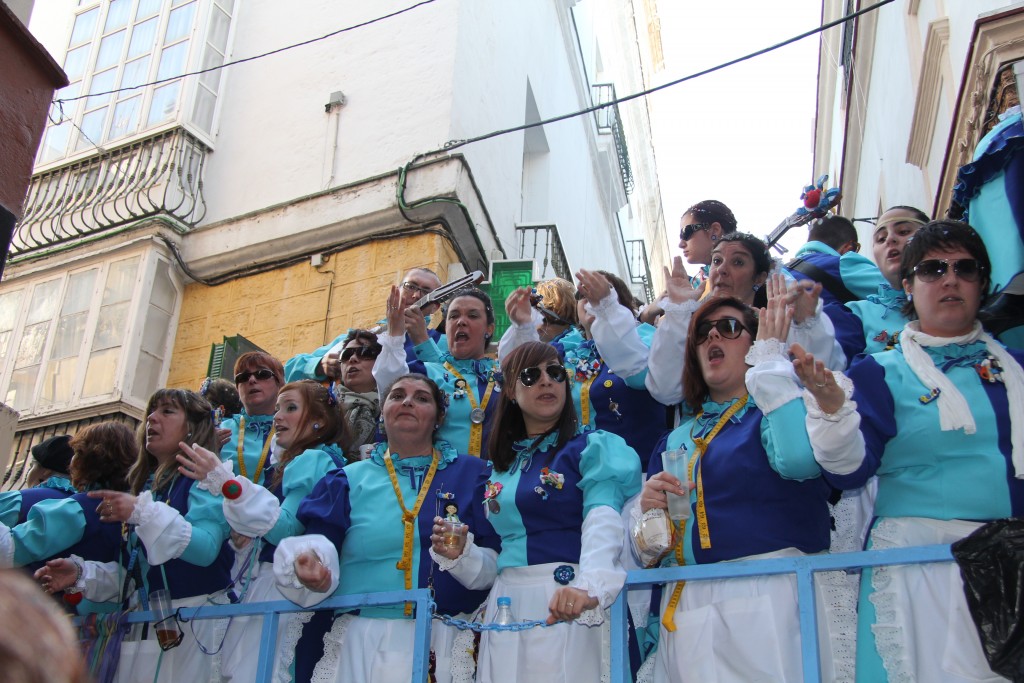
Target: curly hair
{"points": [[321, 422], [199, 422], [559, 297], [695, 389], [222, 393], [104, 453]]}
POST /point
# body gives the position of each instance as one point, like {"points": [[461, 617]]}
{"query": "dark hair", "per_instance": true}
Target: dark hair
{"points": [[835, 231], [222, 393], [916, 212], [317, 408], [714, 211], [762, 259], [198, 421], [440, 397], [480, 295], [104, 453], [254, 360], [509, 425], [943, 235], [695, 389], [365, 337]]}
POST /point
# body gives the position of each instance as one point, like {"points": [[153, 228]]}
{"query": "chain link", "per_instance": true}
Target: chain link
{"points": [[478, 627]]}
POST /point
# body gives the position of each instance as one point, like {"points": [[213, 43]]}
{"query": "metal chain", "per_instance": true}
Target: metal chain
{"points": [[478, 627]]}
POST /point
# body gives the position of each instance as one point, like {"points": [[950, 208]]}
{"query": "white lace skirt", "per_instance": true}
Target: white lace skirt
{"points": [[380, 651], [556, 654]]}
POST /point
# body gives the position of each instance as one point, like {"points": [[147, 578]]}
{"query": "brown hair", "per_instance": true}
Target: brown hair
{"points": [[559, 298], [198, 418], [695, 389], [318, 408], [509, 425], [254, 360], [104, 453]]}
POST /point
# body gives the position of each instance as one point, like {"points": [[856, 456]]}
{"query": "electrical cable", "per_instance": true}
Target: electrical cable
{"points": [[254, 57]]}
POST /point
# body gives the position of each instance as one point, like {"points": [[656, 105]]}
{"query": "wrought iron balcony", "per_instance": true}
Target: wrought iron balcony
{"points": [[609, 123], [640, 267], [160, 174], [541, 243]]}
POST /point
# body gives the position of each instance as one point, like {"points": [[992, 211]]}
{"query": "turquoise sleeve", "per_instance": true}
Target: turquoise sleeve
{"points": [[300, 476], [609, 470], [860, 274], [52, 526], [10, 507], [209, 528], [303, 366], [428, 352], [784, 437], [646, 334]]}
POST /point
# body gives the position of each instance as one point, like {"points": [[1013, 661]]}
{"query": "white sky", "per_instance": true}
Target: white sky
{"points": [[743, 135]]}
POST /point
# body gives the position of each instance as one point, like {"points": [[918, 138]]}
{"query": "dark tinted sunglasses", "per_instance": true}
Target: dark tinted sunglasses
{"points": [[688, 231], [262, 373], [728, 328], [361, 351], [529, 376], [932, 269]]}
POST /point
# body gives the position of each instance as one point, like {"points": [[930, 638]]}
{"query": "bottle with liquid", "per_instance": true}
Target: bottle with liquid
{"points": [[676, 463], [503, 615]]}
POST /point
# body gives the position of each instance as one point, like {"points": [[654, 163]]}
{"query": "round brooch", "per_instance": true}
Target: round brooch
{"points": [[231, 489], [564, 574]]}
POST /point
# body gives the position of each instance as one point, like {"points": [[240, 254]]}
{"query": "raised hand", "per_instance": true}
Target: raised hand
{"points": [[803, 297], [195, 462], [517, 306], [677, 282], [773, 321], [818, 380], [396, 313], [593, 286]]}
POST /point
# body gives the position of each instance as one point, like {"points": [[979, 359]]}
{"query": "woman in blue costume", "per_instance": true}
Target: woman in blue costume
{"points": [[555, 497], [603, 399], [259, 377], [310, 442], [873, 324], [933, 421], [103, 453], [48, 478], [464, 372], [759, 493], [175, 539], [357, 542], [558, 297]]}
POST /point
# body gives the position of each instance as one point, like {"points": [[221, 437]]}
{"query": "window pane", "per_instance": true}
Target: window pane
{"points": [[10, 302], [203, 116], [44, 302], [99, 375], [111, 326], [117, 14], [58, 381], [120, 281], [110, 50], [164, 295], [135, 73], [154, 334], [91, 133], [33, 339], [85, 26], [228, 5], [180, 23], [143, 38], [79, 293], [67, 340], [147, 376], [74, 62], [211, 79], [126, 118], [172, 61], [165, 103], [219, 25], [56, 144], [23, 382], [101, 82], [147, 8], [5, 340]]}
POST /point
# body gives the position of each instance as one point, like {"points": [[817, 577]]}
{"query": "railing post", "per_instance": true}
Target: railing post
{"points": [[421, 647], [620, 672], [268, 647], [806, 605]]}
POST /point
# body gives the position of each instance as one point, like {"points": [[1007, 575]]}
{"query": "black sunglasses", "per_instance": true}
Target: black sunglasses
{"points": [[361, 351], [262, 373], [529, 376], [728, 328], [688, 231], [930, 270]]}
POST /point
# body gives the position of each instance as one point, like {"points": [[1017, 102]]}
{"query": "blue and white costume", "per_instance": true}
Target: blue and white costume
{"points": [[870, 325], [14, 505], [759, 494], [304, 365], [558, 511], [946, 461], [354, 525], [851, 271], [258, 429]]}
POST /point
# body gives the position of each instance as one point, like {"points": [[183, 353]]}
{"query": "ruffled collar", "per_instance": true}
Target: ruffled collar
{"points": [[257, 424], [58, 483], [525, 449], [584, 360], [889, 297], [414, 463], [957, 355], [712, 412], [481, 367]]}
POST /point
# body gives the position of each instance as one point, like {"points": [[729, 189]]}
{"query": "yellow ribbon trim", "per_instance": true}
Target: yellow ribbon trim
{"points": [[263, 456], [409, 516], [668, 619], [476, 431]]}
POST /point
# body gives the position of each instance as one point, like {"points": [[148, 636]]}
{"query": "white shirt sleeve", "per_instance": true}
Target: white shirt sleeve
{"points": [[476, 568], [817, 335], [614, 333], [390, 364], [836, 439], [162, 530], [665, 366], [284, 567], [602, 574], [518, 334]]}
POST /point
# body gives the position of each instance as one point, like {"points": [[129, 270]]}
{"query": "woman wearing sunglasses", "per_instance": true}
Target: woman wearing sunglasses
{"points": [[758, 493], [555, 498], [259, 377], [938, 421], [368, 529], [464, 371], [356, 389]]}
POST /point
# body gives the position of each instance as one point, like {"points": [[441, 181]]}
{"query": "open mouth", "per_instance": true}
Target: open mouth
{"points": [[715, 354], [893, 255], [461, 336]]}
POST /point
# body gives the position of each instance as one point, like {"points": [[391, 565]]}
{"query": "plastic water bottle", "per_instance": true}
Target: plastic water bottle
{"points": [[503, 615], [675, 463]]}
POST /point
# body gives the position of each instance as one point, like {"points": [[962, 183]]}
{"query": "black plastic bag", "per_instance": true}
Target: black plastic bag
{"points": [[992, 567]]}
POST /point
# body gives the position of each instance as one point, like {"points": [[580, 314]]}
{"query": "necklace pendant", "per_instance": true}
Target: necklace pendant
{"points": [[476, 416]]}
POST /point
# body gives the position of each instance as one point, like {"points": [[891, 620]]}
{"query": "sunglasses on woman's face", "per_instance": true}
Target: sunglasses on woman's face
{"points": [[261, 374], [930, 270], [688, 231], [728, 328], [360, 351], [529, 376]]}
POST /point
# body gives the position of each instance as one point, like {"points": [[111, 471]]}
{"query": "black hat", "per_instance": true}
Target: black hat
{"points": [[54, 453]]}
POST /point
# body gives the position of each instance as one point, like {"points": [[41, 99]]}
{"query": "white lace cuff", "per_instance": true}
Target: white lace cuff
{"points": [[6, 547], [217, 477], [161, 528], [763, 350], [609, 302], [445, 564], [810, 321], [849, 405], [141, 501], [591, 617], [686, 307], [79, 585]]}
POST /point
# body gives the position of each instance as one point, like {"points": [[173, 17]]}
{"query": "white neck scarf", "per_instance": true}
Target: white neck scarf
{"points": [[954, 411]]}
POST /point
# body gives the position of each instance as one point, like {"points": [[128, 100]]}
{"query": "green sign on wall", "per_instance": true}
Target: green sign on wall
{"points": [[506, 276]]}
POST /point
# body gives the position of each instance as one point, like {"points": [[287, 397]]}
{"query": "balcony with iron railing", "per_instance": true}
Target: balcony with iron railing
{"points": [[161, 174], [609, 123], [542, 244]]}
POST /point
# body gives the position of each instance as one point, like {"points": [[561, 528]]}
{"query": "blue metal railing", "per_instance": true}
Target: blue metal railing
{"points": [[804, 567]]}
